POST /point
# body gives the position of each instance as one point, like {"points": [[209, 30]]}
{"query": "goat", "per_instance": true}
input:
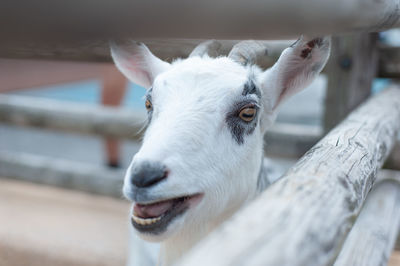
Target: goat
{"points": [[202, 153]]}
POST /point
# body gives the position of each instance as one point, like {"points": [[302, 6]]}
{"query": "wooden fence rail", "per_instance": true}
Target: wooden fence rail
{"points": [[61, 173], [305, 216], [283, 139], [70, 117], [289, 140], [221, 19], [373, 236], [168, 49]]}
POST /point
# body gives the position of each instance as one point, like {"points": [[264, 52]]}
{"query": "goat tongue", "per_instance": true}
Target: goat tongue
{"points": [[152, 210]]}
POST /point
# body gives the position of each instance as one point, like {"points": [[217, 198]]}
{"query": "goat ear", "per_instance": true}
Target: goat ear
{"points": [[136, 62], [296, 68]]}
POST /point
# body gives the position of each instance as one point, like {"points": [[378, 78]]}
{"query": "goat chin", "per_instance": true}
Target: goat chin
{"points": [[165, 248], [175, 226], [179, 237]]}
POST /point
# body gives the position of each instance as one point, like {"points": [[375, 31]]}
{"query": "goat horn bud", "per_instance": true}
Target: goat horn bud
{"points": [[210, 47], [247, 52]]}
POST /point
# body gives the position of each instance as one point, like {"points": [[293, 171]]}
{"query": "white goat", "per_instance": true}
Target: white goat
{"points": [[202, 153]]}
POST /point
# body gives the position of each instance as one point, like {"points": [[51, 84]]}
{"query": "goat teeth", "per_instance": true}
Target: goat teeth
{"points": [[145, 221]]}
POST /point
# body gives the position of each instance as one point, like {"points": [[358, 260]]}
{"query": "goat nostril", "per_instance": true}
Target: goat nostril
{"points": [[147, 173], [165, 175]]}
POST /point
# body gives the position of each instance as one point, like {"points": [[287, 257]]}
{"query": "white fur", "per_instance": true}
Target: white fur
{"points": [[188, 133]]}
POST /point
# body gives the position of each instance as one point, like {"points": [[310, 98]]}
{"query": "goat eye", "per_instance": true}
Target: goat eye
{"points": [[148, 105], [248, 114]]}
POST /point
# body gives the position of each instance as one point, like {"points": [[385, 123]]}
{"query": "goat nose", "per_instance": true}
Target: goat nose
{"points": [[148, 173]]}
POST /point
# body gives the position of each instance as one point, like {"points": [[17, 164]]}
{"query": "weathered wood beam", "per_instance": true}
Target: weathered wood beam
{"points": [[61, 173], [70, 117], [373, 236], [282, 139], [55, 21], [393, 162], [350, 71], [389, 57], [22, 74], [166, 49], [389, 62], [291, 140], [305, 216]]}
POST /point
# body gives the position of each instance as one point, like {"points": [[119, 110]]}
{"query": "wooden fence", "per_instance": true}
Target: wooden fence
{"points": [[304, 218], [318, 212], [91, 21]]}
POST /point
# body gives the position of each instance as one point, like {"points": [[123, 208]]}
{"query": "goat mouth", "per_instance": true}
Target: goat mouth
{"points": [[155, 217]]}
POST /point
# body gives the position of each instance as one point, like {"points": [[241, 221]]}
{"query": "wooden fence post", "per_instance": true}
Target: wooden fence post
{"points": [[393, 162], [351, 70]]}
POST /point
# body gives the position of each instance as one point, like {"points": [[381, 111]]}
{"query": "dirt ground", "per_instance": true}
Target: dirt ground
{"points": [[41, 225]]}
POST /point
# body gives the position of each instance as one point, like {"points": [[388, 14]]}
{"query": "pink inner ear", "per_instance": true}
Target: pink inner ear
{"points": [[294, 79], [288, 87], [135, 69], [138, 71], [137, 63], [297, 67]]}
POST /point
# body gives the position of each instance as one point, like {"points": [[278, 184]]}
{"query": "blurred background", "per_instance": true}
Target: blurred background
{"points": [[60, 199]]}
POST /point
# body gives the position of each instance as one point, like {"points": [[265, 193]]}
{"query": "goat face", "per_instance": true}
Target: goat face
{"points": [[202, 150]]}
